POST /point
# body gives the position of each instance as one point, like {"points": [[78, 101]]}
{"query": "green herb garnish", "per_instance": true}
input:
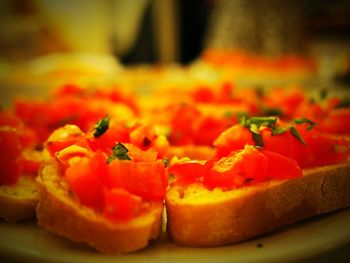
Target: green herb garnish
{"points": [[296, 134], [305, 120], [101, 126], [120, 152], [255, 123], [278, 130], [272, 112], [259, 121], [166, 162]]}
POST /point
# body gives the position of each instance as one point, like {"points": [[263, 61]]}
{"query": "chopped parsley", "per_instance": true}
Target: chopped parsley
{"points": [[101, 126], [120, 152]]}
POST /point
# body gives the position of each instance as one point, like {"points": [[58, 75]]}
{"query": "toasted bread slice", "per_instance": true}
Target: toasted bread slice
{"points": [[202, 218], [18, 202], [60, 213]]}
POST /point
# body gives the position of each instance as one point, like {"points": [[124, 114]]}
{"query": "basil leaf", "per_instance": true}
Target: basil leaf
{"points": [[120, 152], [258, 140], [101, 126], [296, 134], [254, 129], [305, 120], [278, 130], [263, 121]]}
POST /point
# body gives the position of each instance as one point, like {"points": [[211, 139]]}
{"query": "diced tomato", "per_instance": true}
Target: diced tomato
{"points": [[161, 145], [69, 90], [281, 167], [326, 149], [84, 181], [115, 133], [337, 122], [188, 172], [146, 179], [34, 114], [182, 122], [138, 155], [10, 170], [120, 204], [208, 129], [203, 94], [9, 142], [255, 164], [143, 136], [225, 174], [286, 100], [9, 119], [234, 138], [234, 170]]}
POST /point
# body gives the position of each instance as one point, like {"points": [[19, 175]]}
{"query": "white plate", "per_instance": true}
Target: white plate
{"points": [[29, 243]]}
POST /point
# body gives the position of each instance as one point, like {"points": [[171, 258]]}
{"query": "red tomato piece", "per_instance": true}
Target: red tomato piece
{"points": [[238, 168], [281, 167], [9, 142], [208, 129], [188, 172], [115, 133], [203, 94], [146, 179], [337, 122], [143, 136], [234, 138], [120, 204], [8, 119], [84, 181], [326, 149], [138, 155], [281, 143]]}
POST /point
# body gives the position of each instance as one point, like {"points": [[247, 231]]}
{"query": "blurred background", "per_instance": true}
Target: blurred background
{"points": [[106, 34]]}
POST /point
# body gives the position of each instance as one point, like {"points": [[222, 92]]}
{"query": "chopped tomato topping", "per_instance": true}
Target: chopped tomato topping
{"points": [[240, 168], [146, 179], [84, 181], [120, 204]]}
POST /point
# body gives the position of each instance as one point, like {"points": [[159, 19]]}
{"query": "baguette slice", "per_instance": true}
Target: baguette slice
{"points": [[59, 213], [203, 218], [18, 202]]}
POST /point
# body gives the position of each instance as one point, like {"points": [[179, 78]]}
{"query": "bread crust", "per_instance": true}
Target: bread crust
{"points": [[18, 202], [60, 213], [202, 218]]}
